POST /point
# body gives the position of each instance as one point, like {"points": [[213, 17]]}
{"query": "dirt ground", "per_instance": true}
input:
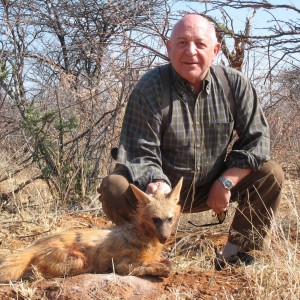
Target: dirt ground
{"points": [[188, 285]]}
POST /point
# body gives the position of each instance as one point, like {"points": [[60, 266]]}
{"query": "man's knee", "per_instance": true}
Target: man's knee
{"points": [[267, 186], [263, 186], [270, 174], [273, 170], [113, 186], [118, 201]]}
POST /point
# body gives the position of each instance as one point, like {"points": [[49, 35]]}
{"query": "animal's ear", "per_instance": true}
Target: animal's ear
{"points": [[175, 193], [140, 195]]}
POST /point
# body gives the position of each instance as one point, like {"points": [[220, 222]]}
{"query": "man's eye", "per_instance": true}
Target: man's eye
{"points": [[181, 43], [200, 45]]}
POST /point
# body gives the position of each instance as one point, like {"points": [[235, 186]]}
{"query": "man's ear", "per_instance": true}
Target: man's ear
{"points": [[217, 49], [168, 46], [142, 197], [175, 193]]}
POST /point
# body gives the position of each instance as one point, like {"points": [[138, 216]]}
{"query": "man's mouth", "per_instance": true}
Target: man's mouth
{"points": [[191, 63]]}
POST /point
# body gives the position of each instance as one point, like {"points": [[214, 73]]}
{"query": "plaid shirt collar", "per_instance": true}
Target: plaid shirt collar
{"points": [[182, 86]]}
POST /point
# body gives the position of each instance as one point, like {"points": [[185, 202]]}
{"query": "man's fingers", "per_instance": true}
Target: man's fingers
{"points": [[154, 186]]}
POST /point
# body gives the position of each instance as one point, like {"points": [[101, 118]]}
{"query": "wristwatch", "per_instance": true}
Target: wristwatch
{"points": [[227, 183]]}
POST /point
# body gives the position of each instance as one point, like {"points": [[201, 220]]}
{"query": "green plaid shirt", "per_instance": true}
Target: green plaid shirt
{"points": [[195, 142]]}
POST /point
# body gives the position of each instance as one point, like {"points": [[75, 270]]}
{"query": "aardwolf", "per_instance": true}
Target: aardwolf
{"points": [[128, 249]]}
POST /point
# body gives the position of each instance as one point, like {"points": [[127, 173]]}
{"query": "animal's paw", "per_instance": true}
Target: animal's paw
{"points": [[166, 262], [163, 268], [159, 269]]}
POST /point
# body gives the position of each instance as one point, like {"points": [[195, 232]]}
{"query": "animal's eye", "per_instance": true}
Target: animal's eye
{"points": [[156, 221], [170, 219]]}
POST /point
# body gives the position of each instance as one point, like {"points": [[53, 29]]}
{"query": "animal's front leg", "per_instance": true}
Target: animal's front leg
{"points": [[159, 269]]}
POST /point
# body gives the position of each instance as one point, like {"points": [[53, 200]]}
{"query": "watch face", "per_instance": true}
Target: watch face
{"points": [[228, 183]]}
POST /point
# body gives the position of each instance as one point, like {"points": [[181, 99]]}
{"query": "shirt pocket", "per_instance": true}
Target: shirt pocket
{"points": [[217, 138]]}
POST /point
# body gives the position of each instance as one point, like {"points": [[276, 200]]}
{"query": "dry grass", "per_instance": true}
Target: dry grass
{"points": [[276, 275]]}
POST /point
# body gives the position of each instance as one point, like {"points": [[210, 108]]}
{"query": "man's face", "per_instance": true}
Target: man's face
{"points": [[191, 49]]}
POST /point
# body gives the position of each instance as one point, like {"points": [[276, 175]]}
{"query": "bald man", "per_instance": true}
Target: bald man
{"points": [[194, 144]]}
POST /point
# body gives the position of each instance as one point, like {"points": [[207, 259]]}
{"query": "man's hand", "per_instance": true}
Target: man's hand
{"points": [[161, 185], [218, 198]]}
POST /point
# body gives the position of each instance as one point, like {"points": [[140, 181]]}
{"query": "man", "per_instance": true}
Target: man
{"points": [[195, 143]]}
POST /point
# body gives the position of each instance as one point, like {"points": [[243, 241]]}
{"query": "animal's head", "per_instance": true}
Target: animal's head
{"points": [[158, 213]]}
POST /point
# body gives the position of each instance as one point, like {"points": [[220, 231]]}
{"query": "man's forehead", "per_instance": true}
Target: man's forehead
{"points": [[198, 31], [192, 24]]}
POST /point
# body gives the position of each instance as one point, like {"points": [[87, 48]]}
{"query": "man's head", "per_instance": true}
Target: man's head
{"points": [[192, 48]]}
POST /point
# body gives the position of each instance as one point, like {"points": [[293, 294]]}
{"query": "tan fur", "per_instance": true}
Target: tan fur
{"points": [[129, 249]]}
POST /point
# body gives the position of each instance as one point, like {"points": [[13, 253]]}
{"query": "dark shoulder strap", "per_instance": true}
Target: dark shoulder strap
{"points": [[166, 95], [226, 87]]}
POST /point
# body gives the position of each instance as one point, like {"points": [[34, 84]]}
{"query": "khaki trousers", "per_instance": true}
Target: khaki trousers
{"points": [[257, 195]]}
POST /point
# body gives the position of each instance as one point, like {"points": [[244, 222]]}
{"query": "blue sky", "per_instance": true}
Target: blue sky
{"points": [[239, 16]]}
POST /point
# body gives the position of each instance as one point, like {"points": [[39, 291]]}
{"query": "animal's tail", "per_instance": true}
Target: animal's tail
{"points": [[15, 266]]}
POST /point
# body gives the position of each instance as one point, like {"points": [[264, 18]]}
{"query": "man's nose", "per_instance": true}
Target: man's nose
{"points": [[190, 48]]}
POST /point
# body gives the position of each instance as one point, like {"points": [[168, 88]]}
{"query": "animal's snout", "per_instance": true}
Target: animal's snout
{"points": [[163, 232]]}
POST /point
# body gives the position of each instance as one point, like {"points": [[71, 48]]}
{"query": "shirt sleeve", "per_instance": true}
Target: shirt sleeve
{"points": [[139, 150], [252, 148]]}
